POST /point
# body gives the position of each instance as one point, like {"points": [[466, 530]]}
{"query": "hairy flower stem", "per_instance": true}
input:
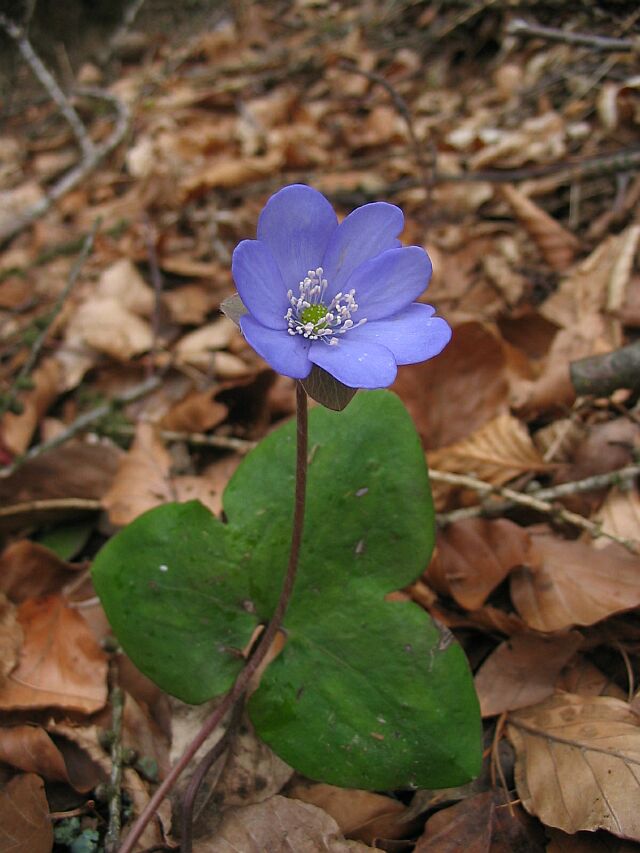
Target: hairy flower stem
{"points": [[264, 643]]}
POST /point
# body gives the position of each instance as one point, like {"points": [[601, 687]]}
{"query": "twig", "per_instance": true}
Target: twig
{"points": [[156, 279], [403, 108], [189, 798], [82, 422], [198, 439], [264, 643], [112, 837], [50, 84], [601, 375], [76, 175], [538, 500], [520, 27], [129, 16], [8, 401]]}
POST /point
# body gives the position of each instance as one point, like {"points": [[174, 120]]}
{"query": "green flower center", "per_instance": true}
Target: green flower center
{"points": [[315, 314]]}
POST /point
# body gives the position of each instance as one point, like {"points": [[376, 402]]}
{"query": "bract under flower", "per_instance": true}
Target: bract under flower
{"points": [[338, 296]]}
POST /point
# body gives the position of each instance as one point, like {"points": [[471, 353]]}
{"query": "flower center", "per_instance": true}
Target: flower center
{"points": [[312, 318]]}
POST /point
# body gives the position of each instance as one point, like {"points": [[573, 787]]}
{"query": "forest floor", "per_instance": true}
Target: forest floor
{"points": [[513, 152]]}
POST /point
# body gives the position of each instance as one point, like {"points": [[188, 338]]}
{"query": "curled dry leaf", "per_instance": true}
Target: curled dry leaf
{"points": [[361, 815], [278, 825], [16, 431], [557, 245], [144, 480], [474, 556], [452, 396], [572, 583], [31, 749], [583, 677], [578, 763], [585, 290], [105, 325], [24, 816], [60, 664], [28, 569], [196, 347], [523, 671], [122, 281]]}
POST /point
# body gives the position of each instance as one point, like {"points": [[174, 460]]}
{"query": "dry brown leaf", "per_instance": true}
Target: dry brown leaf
{"points": [[229, 172], [197, 412], [474, 556], [196, 347], [584, 291], [10, 637], [28, 569], [189, 304], [539, 139], [144, 481], [361, 815], [619, 516], [496, 453], [572, 583], [467, 387], [278, 825], [106, 326], [583, 677], [578, 763], [16, 431], [464, 826], [30, 748], [523, 671], [60, 663], [122, 281], [557, 245], [25, 826]]}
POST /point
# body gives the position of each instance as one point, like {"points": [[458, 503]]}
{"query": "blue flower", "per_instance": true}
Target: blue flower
{"points": [[339, 296]]}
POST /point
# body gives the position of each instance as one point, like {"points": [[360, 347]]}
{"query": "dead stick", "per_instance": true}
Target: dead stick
{"points": [[520, 27], [601, 375]]}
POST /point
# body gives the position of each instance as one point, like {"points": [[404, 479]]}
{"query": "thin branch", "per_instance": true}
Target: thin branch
{"points": [[50, 84], [520, 27], [82, 422], [198, 439], [189, 798], [538, 500], [7, 402], [601, 375], [264, 643], [75, 176], [112, 838]]}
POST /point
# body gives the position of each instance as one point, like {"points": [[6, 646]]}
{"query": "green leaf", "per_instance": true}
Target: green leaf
{"points": [[367, 693], [67, 540]]}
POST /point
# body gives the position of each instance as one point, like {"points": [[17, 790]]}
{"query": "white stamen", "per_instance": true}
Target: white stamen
{"points": [[337, 317]]}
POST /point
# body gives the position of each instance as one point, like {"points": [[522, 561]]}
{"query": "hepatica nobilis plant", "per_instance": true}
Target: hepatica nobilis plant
{"points": [[366, 692]]}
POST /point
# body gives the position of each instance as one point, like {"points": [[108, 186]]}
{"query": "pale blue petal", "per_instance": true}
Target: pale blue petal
{"points": [[412, 335], [259, 283], [287, 354], [365, 233], [358, 364], [389, 283], [296, 224]]}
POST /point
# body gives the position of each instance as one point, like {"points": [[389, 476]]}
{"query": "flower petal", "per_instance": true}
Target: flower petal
{"points": [[287, 354], [260, 284], [358, 364], [412, 335], [296, 225], [389, 283], [363, 234]]}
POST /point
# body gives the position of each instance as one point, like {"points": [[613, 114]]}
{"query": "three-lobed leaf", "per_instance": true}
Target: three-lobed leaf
{"points": [[366, 692]]}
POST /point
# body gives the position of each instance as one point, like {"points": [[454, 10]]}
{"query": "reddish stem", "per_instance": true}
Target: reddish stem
{"points": [[264, 643]]}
